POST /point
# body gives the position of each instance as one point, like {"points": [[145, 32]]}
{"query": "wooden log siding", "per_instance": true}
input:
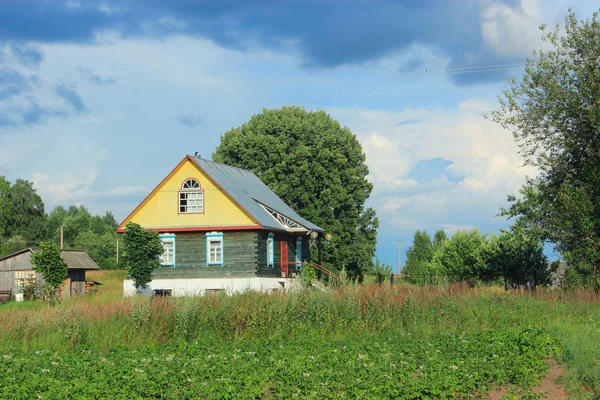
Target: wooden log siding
{"points": [[239, 256], [11, 267], [262, 269]]}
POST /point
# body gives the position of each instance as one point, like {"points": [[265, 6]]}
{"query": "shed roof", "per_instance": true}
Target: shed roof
{"points": [[250, 192], [75, 259]]}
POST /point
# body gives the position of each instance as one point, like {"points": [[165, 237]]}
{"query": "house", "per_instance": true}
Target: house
{"points": [[222, 229], [16, 269]]}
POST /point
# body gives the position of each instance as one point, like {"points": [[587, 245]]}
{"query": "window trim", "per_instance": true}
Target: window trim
{"points": [[213, 236], [169, 237], [200, 189], [271, 247]]}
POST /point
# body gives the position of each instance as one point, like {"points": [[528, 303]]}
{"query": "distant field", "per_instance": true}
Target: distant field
{"points": [[366, 342]]}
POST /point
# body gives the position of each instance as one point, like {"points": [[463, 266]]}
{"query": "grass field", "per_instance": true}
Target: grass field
{"points": [[356, 341]]}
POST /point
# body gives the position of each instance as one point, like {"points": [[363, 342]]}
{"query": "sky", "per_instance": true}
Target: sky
{"points": [[99, 100]]}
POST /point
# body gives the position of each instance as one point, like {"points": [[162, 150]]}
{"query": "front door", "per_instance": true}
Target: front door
{"points": [[284, 259]]}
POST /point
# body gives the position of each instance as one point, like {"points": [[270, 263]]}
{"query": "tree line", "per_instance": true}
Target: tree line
{"points": [[512, 258], [24, 223]]}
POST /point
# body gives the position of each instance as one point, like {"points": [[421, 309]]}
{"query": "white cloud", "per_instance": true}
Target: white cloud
{"points": [[511, 31], [483, 155]]}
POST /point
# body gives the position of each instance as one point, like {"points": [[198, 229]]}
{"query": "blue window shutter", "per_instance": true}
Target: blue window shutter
{"points": [[271, 251], [299, 249]]}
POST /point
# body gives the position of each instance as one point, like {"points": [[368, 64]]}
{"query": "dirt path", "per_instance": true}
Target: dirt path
{"points": [[548, 386]]}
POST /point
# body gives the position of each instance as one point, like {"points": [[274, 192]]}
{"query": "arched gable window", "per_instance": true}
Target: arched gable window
{"points": [[191, 197]]}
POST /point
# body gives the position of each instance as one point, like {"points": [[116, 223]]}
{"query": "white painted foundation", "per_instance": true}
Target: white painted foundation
{"points": [[198, 287]]}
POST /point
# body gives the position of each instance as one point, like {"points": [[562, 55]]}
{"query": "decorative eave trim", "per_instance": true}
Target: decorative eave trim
{"points": [[287, 223]]}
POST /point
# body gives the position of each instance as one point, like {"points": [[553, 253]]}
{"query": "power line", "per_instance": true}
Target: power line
{"points": [[425, 71]]}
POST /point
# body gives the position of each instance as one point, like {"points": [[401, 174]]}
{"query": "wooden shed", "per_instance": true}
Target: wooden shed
{"points": [[16, 269]]}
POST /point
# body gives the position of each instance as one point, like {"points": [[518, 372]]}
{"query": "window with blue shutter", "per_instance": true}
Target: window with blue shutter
{"points": [[214, 249]]}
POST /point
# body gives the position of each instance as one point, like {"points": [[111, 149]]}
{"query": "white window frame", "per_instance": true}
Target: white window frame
{"points": [[170, 239], [212, 238], [191, 191], [270, 251]]}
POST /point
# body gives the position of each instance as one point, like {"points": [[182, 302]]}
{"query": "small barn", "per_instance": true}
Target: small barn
{"points": [[16, 269]]}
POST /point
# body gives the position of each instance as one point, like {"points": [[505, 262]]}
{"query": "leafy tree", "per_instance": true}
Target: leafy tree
{"points": [[461, 257], [418, 257], [318, 168], [5, 206], [553, 113], [53, 222], [48, 262], [518, 258], [26, 216], [101, 248], [12, 245], [439, 238], [142, 251]]}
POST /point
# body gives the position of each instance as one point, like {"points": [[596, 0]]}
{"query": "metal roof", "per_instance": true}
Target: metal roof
{"points": [[249, 192], [75, 259]]}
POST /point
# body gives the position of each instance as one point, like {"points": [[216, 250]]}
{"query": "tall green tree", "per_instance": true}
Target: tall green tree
{"points": [[27, 212], [518, 258], [418, 257], [5, 206], [554, 115], [142, 251], [461, 257], [439, 238], [318, 168], [47, 261]]}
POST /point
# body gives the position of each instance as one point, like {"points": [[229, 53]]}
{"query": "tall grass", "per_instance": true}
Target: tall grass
{"points": [[106, 320]]}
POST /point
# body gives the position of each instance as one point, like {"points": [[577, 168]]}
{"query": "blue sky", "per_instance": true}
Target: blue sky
{"points": [[100, 99]]}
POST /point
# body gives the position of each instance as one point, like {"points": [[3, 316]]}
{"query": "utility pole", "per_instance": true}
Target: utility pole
{"points": [[117, 251], [61, 236]]}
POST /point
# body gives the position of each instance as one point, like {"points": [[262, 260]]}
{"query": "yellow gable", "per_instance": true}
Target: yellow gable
{"points": [[161, 209]]}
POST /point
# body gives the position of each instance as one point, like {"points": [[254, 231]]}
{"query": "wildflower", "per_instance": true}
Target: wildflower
{"points": [[169, 358], [45, 370], [454, 367], [306, 374], [54, 363], [361, 356], [8, 357], [312, 357], [392, 365], [139, 370]]}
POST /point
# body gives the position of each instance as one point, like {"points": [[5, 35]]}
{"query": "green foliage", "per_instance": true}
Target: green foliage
{"points": [[93, 234], [319, 169], [461, 257], [47, 261], [439, 238], [553, 115], [142, 250], [308, 274], [381, 271], [518, 258], [12, 245], [24, 213], [418, 258]]}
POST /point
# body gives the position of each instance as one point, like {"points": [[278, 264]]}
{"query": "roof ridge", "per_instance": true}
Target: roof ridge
{"points": [[225, 165]]}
